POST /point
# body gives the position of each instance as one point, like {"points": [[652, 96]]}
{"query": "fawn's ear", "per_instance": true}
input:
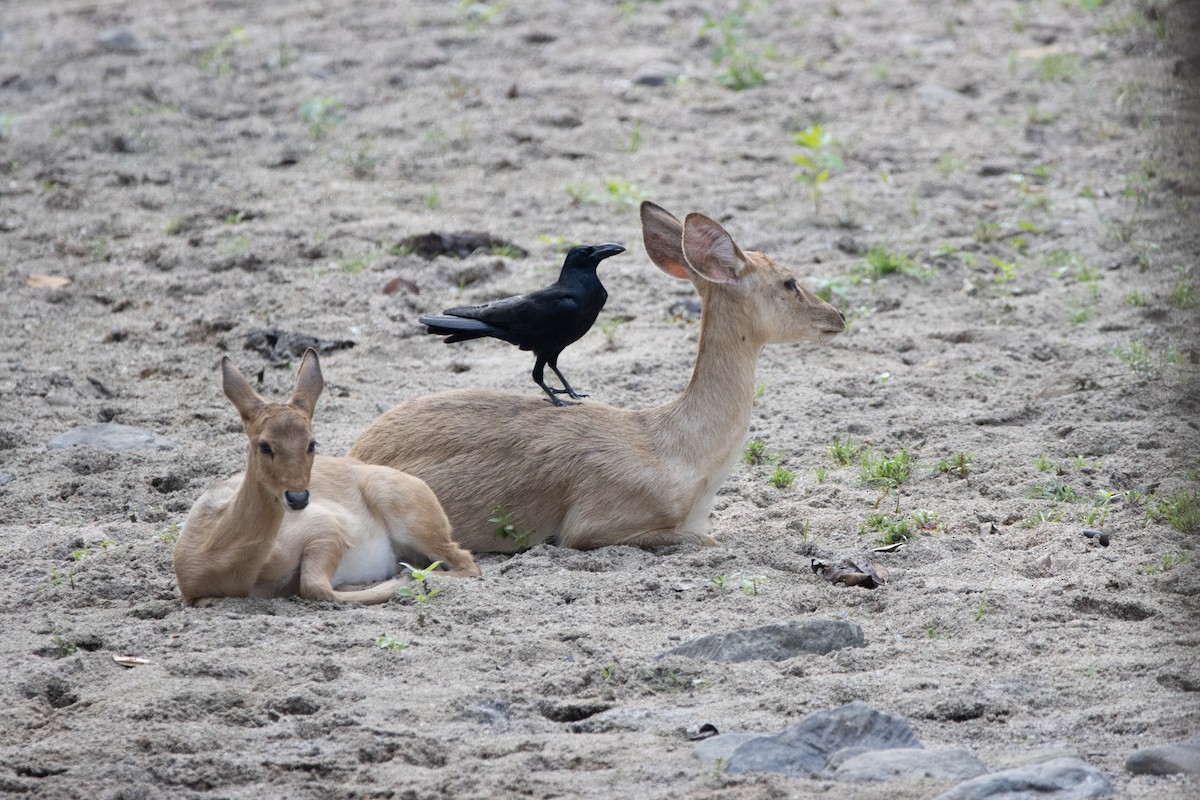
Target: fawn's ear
{"points": [[238, 389], [710, 250], [663, 237], [309, 383]]}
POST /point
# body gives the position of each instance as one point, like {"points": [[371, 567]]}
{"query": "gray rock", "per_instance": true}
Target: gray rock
{"points": [[1165, 759], [901, 763], [657, 74], [107, 436], [1060, 779], [774, 642], [7, 477], [116, 40], [722, 747], [805, 748]]}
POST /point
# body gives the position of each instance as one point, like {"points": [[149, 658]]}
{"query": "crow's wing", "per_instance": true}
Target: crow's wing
{"points": [[530, 321]]}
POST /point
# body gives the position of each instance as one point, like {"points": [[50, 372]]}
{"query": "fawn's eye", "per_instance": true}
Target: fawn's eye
{"points": [[265, 449], [312, 447], [790, 284]]}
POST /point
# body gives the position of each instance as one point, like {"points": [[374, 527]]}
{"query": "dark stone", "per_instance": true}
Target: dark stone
{"points": [[1165, 759], [774, 642], [1061, 779], [806, 747]]}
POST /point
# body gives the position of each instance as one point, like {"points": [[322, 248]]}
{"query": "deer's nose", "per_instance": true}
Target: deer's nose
{"points": [[296, 500]]}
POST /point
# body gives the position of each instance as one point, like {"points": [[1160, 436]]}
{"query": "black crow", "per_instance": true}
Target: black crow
{"points": [[545, 321]]}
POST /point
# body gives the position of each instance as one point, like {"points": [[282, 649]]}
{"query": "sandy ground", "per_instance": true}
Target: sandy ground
{"points": [[178, 175]]}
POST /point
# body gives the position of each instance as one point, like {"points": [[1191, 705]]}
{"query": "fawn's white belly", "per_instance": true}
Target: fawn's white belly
{"points": [[367, 562]]}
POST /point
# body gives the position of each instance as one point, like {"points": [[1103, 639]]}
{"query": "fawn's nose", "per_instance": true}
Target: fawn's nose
{"points": [[296, 500]]}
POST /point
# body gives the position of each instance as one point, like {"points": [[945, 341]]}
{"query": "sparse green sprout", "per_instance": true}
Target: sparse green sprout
{"points": [[718, 581], [505, 529], [580, 193], [1006, 273], [1168, 562], [385, 642], [1079, 313], [933, 631], [879, 262], [214, 57], [625, 194], [891, 530], [1058, 67], [356, 264], [821, 474], [843, 451], [817, 162], [1134, 298], [1045, 463], [1059, 492], [782, 478], [1183, 293], [505, 250], [419, 590], [609, 329], [635, 137], [432, 199], [1040, 516], [895, 529], [1145, 364], [63, 646], [752, 584], [887, 473], [321, 115], [171, 534], [1180, 509], [958, 464], [560, 244], [981, 610], [756, 453], [476, 14], [740, 58], [987, 232]]}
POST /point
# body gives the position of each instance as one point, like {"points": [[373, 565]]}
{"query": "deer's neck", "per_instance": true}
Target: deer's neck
{"points": [[709, 420], [250, 523]]}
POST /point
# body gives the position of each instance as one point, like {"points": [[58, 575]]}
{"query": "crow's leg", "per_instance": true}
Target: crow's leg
{"points": [[553, 362], [539, 371]]}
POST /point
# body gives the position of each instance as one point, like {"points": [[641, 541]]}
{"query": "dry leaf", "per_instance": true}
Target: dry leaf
{"points": [[46, 281], [130, 661]]}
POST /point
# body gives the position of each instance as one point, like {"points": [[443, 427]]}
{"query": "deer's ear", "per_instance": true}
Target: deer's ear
{"points": [[710, 250], [662, 235], [309, 383], [238, 389]]}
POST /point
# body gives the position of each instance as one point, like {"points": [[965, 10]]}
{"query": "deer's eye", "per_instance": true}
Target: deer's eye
{"points": [[790, 284], [265, 449], [312, 447]]}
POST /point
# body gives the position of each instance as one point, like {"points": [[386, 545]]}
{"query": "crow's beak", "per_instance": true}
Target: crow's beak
{"points": [[603, 251]]}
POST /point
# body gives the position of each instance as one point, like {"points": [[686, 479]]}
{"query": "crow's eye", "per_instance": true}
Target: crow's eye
{"points": [[790, 284], [312, 447], [265, 449]]}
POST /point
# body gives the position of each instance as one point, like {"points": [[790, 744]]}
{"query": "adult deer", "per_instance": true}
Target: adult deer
{"points": [[593, 475], [347, 522]]}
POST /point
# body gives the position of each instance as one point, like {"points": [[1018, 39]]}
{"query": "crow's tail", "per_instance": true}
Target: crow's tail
{"points": [[457, 329]]}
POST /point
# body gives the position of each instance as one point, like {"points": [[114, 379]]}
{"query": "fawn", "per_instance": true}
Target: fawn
{"points": [[345, 522]]}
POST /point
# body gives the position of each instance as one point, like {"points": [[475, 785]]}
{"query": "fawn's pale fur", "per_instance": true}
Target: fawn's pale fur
{"points": [[347, 522], [593, 475]]}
